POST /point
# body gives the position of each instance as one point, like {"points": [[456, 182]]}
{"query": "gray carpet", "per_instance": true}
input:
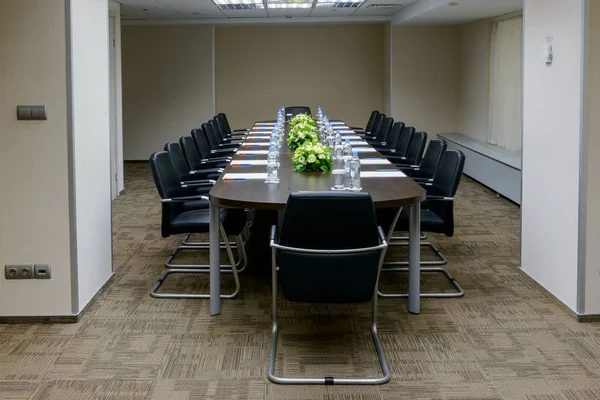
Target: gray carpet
{"points": [[506, 339]]}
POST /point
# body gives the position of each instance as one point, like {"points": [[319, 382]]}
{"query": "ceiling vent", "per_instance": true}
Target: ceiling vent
{"points": [[384, 6]]}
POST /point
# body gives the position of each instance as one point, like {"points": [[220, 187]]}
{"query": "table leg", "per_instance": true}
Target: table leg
{"points": [[414, 258], [215, 260]]}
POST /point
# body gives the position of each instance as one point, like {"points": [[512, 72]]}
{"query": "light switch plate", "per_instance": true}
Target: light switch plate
{"points": [[32, 113]]}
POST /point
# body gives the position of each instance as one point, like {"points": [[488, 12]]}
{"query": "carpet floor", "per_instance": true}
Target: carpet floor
{"points": [[506, 339]]}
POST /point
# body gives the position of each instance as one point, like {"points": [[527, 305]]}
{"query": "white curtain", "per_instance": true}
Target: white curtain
{"points": [[506, 110]]}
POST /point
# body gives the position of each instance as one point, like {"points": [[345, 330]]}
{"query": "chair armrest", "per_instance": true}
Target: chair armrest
{"points": [[241, 130], [207, 171], [203, 182], [381, 235], [223, 151], [408, 167], [216, 160], [357, 128], [397, 160], [184, 199], [273, 234], [439, 198], [229, 146]]}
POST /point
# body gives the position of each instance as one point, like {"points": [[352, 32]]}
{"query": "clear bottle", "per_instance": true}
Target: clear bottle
{"points": [[347, 150], [338, 173], [338, 138], [272, 166], [355, 172]]}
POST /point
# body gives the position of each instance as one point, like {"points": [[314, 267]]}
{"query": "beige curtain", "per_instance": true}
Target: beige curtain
{"points": [[506, 110]]}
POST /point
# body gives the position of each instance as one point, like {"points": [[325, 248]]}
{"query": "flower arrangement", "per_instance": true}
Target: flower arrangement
{"points": [[302, 119], [302, 133], [312, 157]]}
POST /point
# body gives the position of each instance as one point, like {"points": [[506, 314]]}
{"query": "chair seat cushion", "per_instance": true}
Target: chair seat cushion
{"points": [[197, 221], [430, 221]]}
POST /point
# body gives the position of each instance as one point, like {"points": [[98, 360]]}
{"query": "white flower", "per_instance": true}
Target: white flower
{"points": [[312, 158], [321, 156], [318, 149], [302, 160], [302, 135]]}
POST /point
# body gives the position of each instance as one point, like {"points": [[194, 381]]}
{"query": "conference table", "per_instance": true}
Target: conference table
{"points": [[386, 192]]}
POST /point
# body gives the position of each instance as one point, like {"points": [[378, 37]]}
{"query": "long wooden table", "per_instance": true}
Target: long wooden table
{"points": [[256, 194]]}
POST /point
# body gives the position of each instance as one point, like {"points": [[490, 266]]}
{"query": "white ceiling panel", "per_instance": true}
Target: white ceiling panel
{"points": [[193, 8], [289, 12], [146, 9], [371, 8], [255, 13], [332, 11]]}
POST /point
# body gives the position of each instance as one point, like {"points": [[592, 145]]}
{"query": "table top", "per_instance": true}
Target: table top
{"points": [[257, 194]]}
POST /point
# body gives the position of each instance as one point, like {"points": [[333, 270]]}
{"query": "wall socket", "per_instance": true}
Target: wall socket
{"points": [[27, 271]]}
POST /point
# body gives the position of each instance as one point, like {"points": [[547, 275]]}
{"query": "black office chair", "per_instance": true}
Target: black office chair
{"points": [[392, 139], [342, 268], [370, 123], [176, 220], [401, 144], [187, 175], [374, 129], [215, 145], [437, 216], [217, 158], [292, 111], [414, 152], [382, 133], [429, 164], [216, 140], [222, 118]]}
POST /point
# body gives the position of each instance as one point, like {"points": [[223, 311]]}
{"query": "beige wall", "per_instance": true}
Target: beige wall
{"points": [[424, 77], [592, 237], [167, 85], [259, 69], [474, 79], [387, 58], [34, 217]]}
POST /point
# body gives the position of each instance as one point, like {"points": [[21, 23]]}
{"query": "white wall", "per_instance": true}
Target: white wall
{"points": [[34, 212], [592, 226], [167, 85], [91, 145], [115, 11], [474, 79], [551, 130]]}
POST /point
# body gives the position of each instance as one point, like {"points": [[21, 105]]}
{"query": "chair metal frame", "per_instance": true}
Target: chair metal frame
{"points": [[376, 342], [197, 269], [402, 266]]}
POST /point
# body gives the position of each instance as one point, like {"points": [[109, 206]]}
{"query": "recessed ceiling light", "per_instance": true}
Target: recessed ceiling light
{"points": [[453, 4], [239, 4], [339, 4], [289, 3]]}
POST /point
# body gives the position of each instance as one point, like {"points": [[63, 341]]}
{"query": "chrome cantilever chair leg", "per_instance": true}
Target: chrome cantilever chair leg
{"points": [[443, 260], [328, 380], [233, 270]]}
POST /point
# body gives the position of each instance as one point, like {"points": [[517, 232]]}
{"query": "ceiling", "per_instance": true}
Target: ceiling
{"points": [[438, 12], [207, 9], [400, 12]]}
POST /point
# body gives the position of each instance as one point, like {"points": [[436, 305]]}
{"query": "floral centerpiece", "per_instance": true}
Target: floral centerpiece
{"points": [[302, 133], [312, 157], [302, 119]]}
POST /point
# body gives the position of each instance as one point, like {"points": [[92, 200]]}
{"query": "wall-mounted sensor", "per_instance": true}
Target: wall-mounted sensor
{"points": [[547, 54]]}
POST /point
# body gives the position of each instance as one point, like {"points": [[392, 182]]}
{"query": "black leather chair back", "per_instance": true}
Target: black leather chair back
{"points": [[404, 140], [371, 122], [225, 122], [328, 220], [432, 157], [217, 132], [376, 125], [168, 186], [394, 135], [190, 152], [384, 129], [448, 174], [445, 183], [295, 110], [211, 135], [178, 159], [416, 148], [220, 126], [201, 142]]}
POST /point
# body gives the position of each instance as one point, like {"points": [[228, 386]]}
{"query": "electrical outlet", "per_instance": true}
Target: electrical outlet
{"points": [[42, 271], [24, 271]]}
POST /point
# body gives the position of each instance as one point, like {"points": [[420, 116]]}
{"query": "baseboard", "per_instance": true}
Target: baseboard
{"points": [[56, 319], [136, 161]]}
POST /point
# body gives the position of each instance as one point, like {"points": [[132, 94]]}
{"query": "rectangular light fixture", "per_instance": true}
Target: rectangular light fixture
{"points": [[289, 3], [239, 4], [340, 4]]}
